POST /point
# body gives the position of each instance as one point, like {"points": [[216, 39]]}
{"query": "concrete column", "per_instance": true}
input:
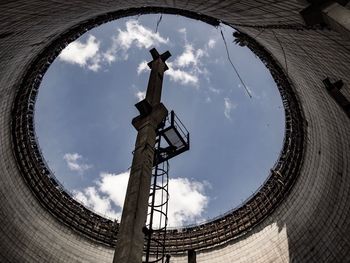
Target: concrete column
{"points": [[337, 17], [130, 239], [130, 236], [192, 256]]}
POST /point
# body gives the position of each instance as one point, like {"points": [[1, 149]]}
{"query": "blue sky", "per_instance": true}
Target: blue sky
{"points": [[86, 104]]}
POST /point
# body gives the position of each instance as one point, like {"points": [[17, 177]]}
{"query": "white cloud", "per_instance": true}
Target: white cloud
{"points": [[211, 43], [187, 201], [189, 57], [88, 54], [143, 67], [187, 197], [229, 106], [187, 68], [74, 163], [84, 54], [143, 37], [134, 33], [140, 95], [114, 186], [109, 189], [182, 30], [214, 90], [189, 77], [95, 201], [183, 77], [95, 63]]}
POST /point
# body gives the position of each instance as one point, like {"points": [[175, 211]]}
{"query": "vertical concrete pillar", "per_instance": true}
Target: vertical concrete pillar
{"points": [[192, 256], [337, 17], [130, 239]]}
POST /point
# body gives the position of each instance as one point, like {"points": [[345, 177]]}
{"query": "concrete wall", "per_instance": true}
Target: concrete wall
{"points": [[311, 225]]}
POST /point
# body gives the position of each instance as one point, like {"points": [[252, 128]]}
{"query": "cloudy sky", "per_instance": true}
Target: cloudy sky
{"points": [[86, 104]]}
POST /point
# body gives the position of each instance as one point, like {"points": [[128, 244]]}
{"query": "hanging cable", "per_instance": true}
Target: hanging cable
{"points": [[158, 22], [233, 66], [284, 53]]}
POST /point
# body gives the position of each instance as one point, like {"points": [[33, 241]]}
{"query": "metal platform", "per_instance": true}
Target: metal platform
{"points": [[175, 135]]}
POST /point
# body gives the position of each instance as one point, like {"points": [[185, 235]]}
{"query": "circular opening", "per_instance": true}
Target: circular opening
{"points": [[235, 223], [86, 104]]}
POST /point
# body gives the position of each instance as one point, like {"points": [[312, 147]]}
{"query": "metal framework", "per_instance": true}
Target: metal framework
{"points": [[172, 140], [229, 226], [176, 136], [157, 218]]}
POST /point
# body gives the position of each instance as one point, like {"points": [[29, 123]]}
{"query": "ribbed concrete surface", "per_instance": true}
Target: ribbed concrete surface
{"points": [[312, 224]]}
